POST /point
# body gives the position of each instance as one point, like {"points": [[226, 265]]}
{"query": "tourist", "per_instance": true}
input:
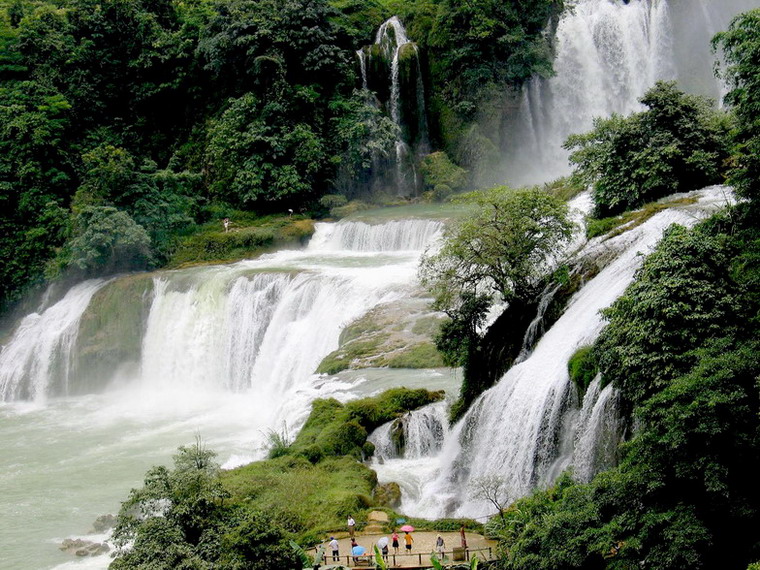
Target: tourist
{"points": [[351, 523], [439, 546], [408, 540], [394, 539], [335, 549]]}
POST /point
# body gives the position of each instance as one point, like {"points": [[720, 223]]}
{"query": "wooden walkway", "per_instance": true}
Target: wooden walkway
{"points": [[404, 560]]}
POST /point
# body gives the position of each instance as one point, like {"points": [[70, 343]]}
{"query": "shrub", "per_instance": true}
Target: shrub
{"points": [[680, 143], [582, 368]]}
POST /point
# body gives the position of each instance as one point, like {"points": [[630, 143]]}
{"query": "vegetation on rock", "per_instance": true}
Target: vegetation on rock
{"points": [[679, 143]]}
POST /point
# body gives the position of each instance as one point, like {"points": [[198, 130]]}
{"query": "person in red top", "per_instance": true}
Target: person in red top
{"points": [[394, 543]]}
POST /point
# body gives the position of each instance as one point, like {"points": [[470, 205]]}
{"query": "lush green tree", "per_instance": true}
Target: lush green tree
{"points": [[168, 522], [105, 241], [683, 295], [679, 143], [441, 175], [255, 153], [489, 42], [503, 248], [740, 46]]}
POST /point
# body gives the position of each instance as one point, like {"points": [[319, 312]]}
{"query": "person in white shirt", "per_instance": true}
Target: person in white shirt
{"points": [[335, 549], [351, 523]]}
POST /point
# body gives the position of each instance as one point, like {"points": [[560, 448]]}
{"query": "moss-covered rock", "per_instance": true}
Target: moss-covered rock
{"points": [[388, 495], [111, 329], [393, 335], [582, 368], [341, 429]]}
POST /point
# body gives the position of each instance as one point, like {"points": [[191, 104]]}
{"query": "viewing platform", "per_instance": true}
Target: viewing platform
{"points": [[419, 557]]}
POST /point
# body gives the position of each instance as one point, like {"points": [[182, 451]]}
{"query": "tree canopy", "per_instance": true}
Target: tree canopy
{"points": [[679, 143]]}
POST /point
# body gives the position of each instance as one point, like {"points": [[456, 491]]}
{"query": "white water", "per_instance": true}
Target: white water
{"points": [[40, 347], [397, 235], [228, 352], [598, 432], [516, 429], [423, 433], [391, 37], [608, 54]]}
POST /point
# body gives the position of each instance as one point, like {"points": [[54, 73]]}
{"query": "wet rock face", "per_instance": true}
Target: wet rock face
{"points": [[81, 547], [388, 495], [104, 523]]}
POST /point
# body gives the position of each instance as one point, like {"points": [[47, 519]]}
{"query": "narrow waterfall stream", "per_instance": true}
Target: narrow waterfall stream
{"points": [[225, 352]]}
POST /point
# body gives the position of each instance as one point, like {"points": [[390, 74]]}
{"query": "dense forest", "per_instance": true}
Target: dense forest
{"points": [[127, 126]]}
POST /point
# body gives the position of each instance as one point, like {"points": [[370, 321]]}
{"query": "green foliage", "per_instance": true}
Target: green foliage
{"points": [[740, 48], [249, 236], [179, 519], [303, 497], [168, 519], [478, 44], [366, 136], [681, 346], [582, 368], [680, 143], [341, 429], [682, 297], [107, 241], [255, 153], [442, 176], [500, 249], [459, 335]]}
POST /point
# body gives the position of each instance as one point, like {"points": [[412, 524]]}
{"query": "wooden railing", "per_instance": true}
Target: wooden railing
{"points": [[408, 559]]}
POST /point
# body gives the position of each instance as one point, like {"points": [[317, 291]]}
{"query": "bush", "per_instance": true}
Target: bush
{"points": [[679, 144], [582, 368]]}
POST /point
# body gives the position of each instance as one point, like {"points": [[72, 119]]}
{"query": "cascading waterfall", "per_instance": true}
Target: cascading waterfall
{"points": [[36, 361], [608, 53], [224, 352], [397, 235], [419, 434], [363, 67], [515, 430], [261, 325], [391, 68], [598, 432], [391, 37]]}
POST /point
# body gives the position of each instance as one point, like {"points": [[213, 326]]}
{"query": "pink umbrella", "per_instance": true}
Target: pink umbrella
{"points": [[407, 528]]}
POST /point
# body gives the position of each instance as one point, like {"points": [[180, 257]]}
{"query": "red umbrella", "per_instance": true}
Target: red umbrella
{"points": [[407, 528]]}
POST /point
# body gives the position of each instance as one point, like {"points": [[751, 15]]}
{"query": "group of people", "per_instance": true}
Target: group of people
{"points": [[382, 544]]}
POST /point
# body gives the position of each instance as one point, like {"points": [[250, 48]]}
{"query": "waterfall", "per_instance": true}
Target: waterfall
{"points": [[608, 53], [598, 432], [391, 41], [258, 326], [37, 360], [397, 235], [515, 430], [419, 434], [362, 67], [391, 36]]}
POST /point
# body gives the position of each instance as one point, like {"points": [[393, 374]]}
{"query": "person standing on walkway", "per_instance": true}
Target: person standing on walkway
{"points": [[335, 549], [439, 546], [408, 540], [351, 523], [394, 542]]}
